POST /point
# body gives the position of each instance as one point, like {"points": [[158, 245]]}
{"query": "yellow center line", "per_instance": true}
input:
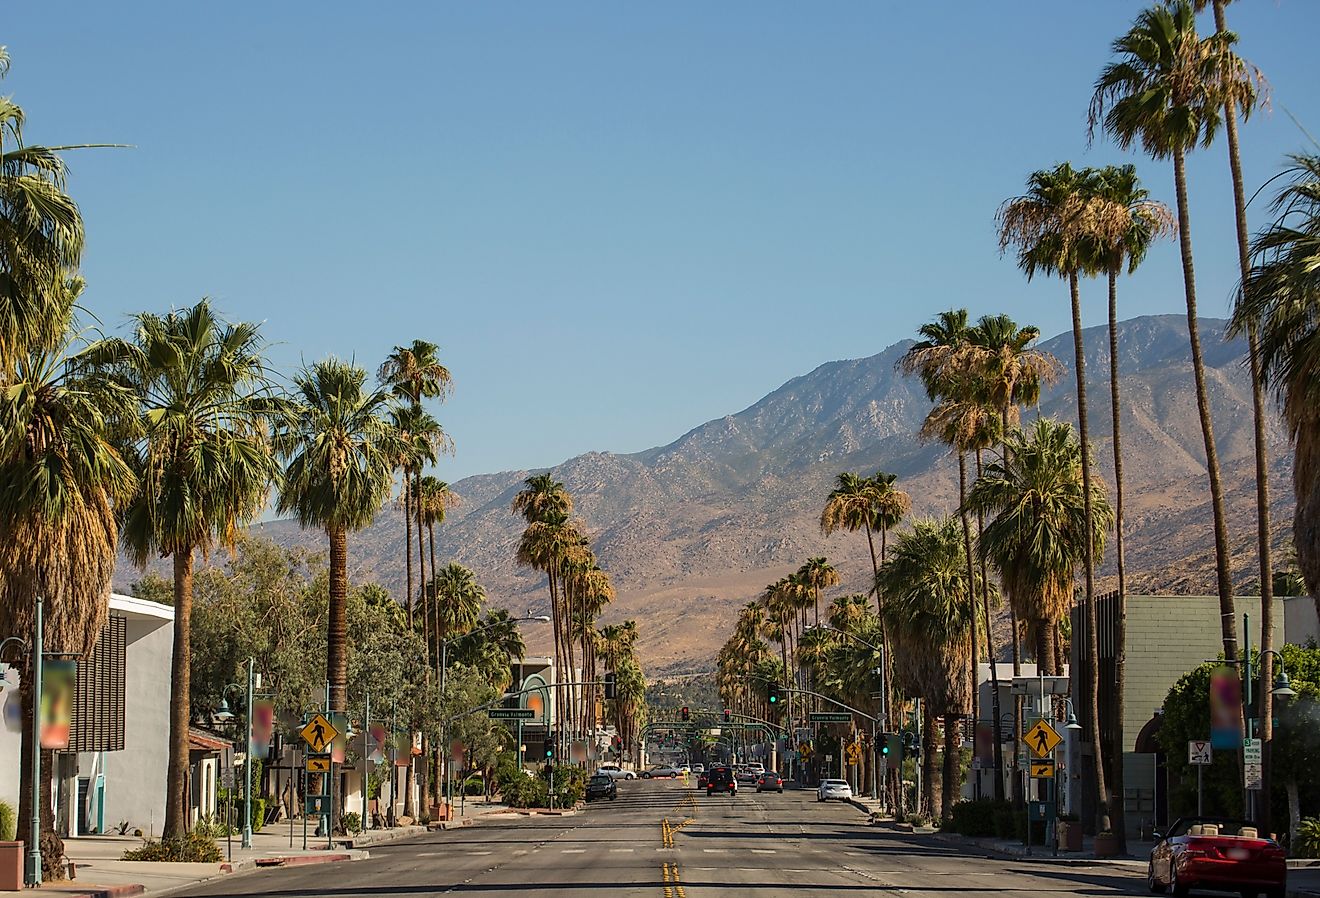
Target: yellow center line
{"points": [[673, 887]]}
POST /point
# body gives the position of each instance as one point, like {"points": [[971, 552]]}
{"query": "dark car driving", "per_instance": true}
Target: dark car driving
{"points": [[721, 779], [602, 786], [770, 781]]}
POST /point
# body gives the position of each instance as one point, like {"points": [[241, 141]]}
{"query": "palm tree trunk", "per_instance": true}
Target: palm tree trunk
{"points": [[336, 667], [928, 751], [971, 585], [176, 770], [990, 653], [407, 543], [1266, 732], [1045, 657], [1016, 643], [949, 776], [1227, 614], [1116, 745], [1088, 563]]}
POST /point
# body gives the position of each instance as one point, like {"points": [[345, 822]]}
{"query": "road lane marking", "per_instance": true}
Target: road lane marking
{"points": [[763, 851], [715, 850], [567, 851], [671, 884], [622, 850]]}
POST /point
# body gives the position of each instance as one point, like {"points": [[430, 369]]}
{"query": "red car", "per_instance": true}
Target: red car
{"points": [[1217, 853]]}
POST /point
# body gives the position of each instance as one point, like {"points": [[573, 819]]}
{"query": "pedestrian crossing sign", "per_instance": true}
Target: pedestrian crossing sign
{"points": [[1041, 739], [318, 734]]}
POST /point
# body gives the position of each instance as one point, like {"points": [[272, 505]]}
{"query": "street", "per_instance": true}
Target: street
{"points": [[752, 845]]}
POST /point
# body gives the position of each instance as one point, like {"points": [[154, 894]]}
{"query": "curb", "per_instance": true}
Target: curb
{"points": [[296, 860], [119, 891]]}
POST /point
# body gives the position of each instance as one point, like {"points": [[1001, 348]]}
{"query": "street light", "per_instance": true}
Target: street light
{"points": [[444, 681], [223, 714], [32, 861]]}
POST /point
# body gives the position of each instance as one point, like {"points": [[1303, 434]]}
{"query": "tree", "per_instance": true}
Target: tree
{"points": [[338, 448], [62, 480], [1147, 220], [203, 458], [1167, 91], [929, 612], [1053, 225]]}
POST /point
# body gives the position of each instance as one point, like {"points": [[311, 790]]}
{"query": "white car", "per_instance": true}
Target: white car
{"points": [[834, 789], [615, 772]]}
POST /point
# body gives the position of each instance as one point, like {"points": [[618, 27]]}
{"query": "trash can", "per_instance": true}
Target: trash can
{"points": [[11, 866]]}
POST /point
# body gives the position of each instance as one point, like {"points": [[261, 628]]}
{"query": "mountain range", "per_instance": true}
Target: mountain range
{"points": [[692, 530]]}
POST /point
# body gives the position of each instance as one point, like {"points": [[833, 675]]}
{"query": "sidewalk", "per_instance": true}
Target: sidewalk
{"points": [[101, 874]]}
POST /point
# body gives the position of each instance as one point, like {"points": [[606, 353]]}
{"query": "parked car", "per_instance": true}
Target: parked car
{"points": [[770, 781], [1217, 853], [614, 771], [660, 771], [721, 779], [602, 786], [834, 789]]}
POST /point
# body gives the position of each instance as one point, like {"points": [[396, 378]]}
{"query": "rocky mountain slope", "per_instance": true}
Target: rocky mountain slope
{"points": [[692, 530]]}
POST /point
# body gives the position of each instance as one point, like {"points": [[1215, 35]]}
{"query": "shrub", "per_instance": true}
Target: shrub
{"points": [[1006, 821], [976, 818], [192, 848], [258, 814], [351, 822], [1307, 841], [8, 822], [474, 785], [213, 827]]}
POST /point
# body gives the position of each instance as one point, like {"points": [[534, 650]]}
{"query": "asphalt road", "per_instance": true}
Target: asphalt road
{"points": [[661, 840]]}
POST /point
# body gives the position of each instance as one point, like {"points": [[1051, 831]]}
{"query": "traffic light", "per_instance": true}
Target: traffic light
{"points": [[685, 712], [911, 745], [728, 715], [891, 746], [773, 690], [549, 748], [611, 688]]}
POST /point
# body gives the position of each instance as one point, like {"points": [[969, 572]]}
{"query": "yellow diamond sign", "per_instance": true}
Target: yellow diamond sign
{"points": [[318, 734], [1041, 739]]}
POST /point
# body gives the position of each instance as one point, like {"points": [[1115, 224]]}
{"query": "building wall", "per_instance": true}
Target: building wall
{"points": [[1299, 620], [1169, 635], [135, 777]]}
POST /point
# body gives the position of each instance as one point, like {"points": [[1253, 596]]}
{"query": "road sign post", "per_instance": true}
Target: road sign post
{"points": [[1200, 754], [1251, 764]]}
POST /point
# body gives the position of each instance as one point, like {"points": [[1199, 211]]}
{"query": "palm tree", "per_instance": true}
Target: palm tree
{"points": [[1038, 536], [420, 437], [1266, 564], [458, 599], [1167, 90], [929, 613], [338, 446], [1147, 221], [203, 458], [851, 506], [1280, 299], [435, 498], [818, 574], [62, 480], [41, 240]]}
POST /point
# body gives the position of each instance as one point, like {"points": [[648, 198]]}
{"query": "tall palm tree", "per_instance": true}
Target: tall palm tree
{"points": [[1280, 299], [41, 239], [420, 438], [1147, 220], [818, 574], [928, 610], [435, 498], [338, 446], [62, 479], [203, 457], [1265, 562], [1167, 91], [1037, 537], [458, 599], [851, 506]]}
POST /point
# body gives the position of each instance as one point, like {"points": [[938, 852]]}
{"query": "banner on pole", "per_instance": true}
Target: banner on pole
{"points": [[1225, 708], [263, 727], [379, 743], [58, 679]]}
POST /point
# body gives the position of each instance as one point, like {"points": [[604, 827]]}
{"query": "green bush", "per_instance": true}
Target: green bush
{"points": [[213, 827], [8, 822], [977, 818], [192, 848], [1307, 841], [526, 792], [474, 785], [258, 814], [351, 822], [1006, 821]]}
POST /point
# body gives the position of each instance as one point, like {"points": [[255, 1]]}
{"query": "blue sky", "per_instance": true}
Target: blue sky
{"points": [[618, 220]]}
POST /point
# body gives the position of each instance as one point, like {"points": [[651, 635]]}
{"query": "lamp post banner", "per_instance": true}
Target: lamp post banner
{"points": [[58, 679], [263, 727]]}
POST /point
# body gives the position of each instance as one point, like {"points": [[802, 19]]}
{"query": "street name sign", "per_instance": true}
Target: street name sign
{"points": [[830, 717], [1041, 739], [319, 733], [1199, 753], [1252, 775], [1042, 768], [510, 713]]}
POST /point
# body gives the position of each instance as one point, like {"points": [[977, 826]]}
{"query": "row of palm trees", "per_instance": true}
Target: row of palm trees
{"points": [[556, 544]]}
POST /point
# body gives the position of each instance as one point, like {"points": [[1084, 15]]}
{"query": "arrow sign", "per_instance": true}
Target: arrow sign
{"points": [[318, 764], [1042, 769], [1199, 753]]}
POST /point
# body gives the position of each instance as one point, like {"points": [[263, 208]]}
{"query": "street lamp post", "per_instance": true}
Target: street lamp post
{"points": [[224, 714], [444, 680], [32, 865]]}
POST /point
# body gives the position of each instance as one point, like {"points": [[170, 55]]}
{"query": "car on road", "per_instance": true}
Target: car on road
{"points": [[660, 771], [702, 779], [602, 786], [721, 779], [745, 774], [614, 771], [770, 781], [698, 768], [1217, 853], [836, 790]]}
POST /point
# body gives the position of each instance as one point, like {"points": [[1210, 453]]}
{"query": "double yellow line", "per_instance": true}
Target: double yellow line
{"points": [[673, 887], [668, 829]]}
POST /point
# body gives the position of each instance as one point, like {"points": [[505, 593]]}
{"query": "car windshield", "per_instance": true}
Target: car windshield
{"points": [[601, 780], [1223, 826]]}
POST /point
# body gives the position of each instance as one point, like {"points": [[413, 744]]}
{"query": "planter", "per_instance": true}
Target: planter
{"points": [[1106, 845], [1070, 835]]}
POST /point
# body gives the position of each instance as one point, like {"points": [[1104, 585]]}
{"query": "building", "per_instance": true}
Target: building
{"points": [[1167, 636]]}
